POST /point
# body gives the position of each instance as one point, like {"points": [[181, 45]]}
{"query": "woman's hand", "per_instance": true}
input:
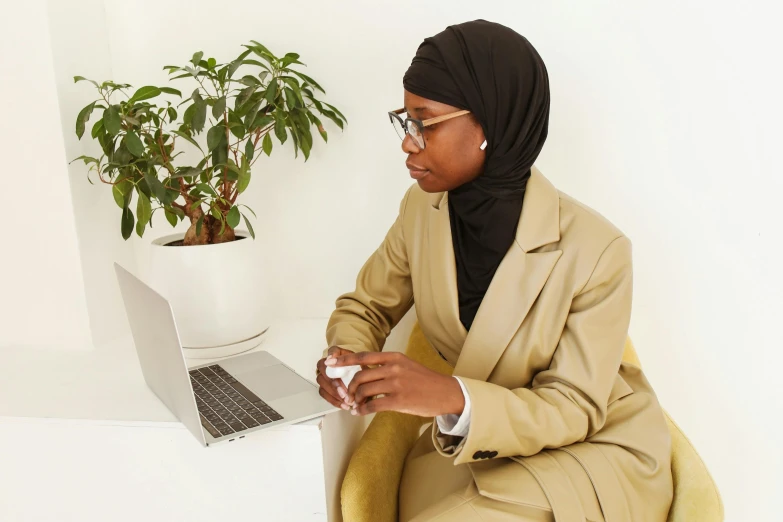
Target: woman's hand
{"points": [[333, 390], [406, 385]]}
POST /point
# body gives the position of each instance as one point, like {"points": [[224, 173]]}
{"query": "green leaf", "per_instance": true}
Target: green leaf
{"points": [[197, 57], [219, 108], [251, 116], [309, 80], [169, 90], [267, 144], [243, 96], [250, 149], [249, 227], [233, 217], [154, 184], [144, 187], [132, 121], [332, 116], [236, 126], [234, 66], [172, 114], [171, 217], [262, 120], [82, 118], [187, 117], [87, 160], [186, 172], [280, 127], [199, 117], [211, 63], [340, 114], [111, 120], [188, 138], [206, 188], [220, 152], [318, 125], [97, 128], [134, 144], [250, 209], [290, 58], [290, 98], [244, 176], [215, 135], [143, 213], [77, 79], [233, 171], [271, 92], [126, 224], [144, 93], [250, 81], [257, 64], [199, 224], [122, 192]]}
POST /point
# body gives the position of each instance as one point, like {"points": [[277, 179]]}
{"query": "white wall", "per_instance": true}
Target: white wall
{"points": [[664, 117], [42, 301], [80, 46]]}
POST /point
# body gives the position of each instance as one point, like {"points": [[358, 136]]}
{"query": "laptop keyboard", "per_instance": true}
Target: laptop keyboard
{"points": [[225, 405]]}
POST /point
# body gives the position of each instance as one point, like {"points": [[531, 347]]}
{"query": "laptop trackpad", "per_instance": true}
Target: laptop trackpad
{"points": [[273, 382]]}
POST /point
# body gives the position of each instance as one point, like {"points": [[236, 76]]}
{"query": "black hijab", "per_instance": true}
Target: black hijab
{"points": [[496, 74]]}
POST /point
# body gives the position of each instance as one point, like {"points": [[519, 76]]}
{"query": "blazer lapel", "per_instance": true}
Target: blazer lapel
{"points": [[516, 284], [443, 271]]}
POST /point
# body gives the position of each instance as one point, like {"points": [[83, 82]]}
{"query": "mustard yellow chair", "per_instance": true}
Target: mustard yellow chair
{"points": [[371, 484]]}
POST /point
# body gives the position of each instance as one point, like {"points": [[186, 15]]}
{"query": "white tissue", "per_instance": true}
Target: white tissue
{"points": [[345, 373]]}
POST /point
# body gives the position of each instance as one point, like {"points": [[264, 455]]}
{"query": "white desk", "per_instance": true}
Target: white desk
{"points": [[63, 471], [83, 439], [107, 384]]}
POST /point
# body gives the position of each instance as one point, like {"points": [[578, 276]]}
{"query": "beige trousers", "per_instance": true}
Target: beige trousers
{"points": [[434, 489]]}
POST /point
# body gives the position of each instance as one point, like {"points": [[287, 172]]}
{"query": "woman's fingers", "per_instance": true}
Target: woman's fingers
{"points": [[366, 359], [363, 377], [331, 391], [371, 389], [375, 406]]}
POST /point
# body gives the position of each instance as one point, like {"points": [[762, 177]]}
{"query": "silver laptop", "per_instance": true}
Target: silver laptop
{"points": [[218, 402]]}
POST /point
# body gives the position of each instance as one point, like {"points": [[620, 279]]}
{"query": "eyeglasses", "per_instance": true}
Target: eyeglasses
{"points": [[414, 127]]}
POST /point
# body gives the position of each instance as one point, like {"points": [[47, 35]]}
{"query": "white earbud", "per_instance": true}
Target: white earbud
{"points": [[483, 145], [346, 373]]}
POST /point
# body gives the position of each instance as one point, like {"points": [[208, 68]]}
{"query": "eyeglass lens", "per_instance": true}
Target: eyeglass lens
{"points": [[413, 130]]}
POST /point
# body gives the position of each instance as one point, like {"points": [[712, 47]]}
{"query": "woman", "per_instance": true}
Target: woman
{"points": [[525, 291]]}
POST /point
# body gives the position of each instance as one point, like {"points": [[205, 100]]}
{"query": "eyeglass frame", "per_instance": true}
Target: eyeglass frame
{"points": [[421, 124]]}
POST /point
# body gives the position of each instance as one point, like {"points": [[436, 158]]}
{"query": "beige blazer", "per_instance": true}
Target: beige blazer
{"points": [[542, 361]]}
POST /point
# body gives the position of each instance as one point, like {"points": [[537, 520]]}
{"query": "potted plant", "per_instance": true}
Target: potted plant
{"points": [[192, 158]]}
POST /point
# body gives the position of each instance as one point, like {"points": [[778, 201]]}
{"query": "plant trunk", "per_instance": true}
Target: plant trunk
{"points": [[217, 237], [191, 238], [210, 230]]}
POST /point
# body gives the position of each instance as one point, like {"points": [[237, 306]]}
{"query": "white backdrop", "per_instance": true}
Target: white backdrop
{"points": [[665, 116], [42, 297]]}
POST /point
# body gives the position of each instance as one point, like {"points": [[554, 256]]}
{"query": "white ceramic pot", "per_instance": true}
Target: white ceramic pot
{"points": [[219, 293]]}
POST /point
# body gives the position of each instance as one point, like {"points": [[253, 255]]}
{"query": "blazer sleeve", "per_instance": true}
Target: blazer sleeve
{"points": [[567, 402], [363, 318]]}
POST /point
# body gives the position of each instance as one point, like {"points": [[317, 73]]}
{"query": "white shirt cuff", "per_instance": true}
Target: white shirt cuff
{"points": [[457, 425]]}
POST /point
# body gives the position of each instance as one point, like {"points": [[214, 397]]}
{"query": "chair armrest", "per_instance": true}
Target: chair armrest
{"points": [[372, 480], [696, 496]]}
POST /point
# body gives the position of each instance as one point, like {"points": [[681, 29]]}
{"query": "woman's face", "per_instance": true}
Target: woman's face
{"points": [[452, 156]]}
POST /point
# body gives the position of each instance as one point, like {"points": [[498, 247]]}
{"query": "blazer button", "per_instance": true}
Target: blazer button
{"points": [[478, 455], [493, 454]]}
